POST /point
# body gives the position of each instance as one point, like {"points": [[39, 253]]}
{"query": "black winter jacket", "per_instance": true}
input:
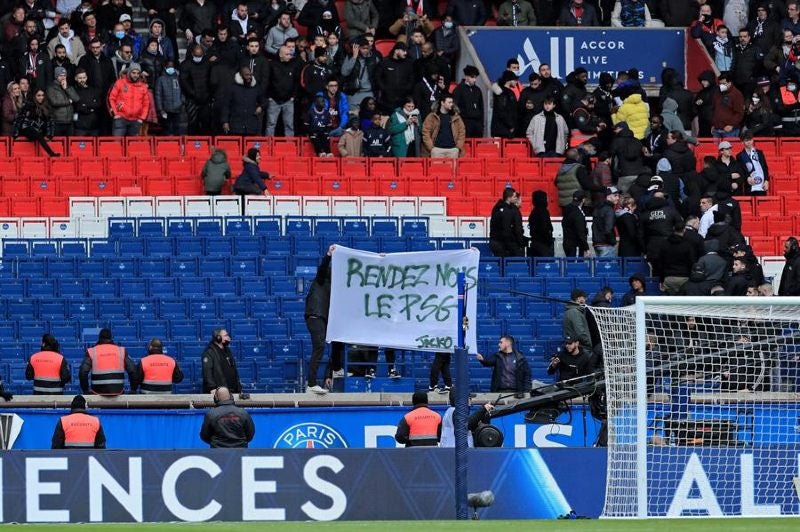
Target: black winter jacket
{"points": [[318, 300], [227, 426], [603, 225], [219, 369]]}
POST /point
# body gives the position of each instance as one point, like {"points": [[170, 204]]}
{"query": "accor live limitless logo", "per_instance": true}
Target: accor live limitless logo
{"points": [[592, 54]]}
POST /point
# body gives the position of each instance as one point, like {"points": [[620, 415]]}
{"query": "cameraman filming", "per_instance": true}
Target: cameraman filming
{"points": [[571, 361], [480, 417]]}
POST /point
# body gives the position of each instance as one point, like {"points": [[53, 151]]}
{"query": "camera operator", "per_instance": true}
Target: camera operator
{"points": [[226, 425], [480, 417], [571, 361]]}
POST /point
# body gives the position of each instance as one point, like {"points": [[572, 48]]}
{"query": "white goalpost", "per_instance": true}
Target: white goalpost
{"points": [[703, 402]]}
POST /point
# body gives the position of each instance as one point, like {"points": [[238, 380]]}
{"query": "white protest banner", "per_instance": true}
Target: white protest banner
{"points": [[401, 300]]}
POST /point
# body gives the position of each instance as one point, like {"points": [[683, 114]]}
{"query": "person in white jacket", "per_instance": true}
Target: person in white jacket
{"points": [[548, 132]]}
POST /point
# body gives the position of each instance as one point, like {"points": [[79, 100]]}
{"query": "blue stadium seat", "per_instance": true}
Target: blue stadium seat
{"points": [[523, 330], [578, 268], [537, 351], [516, 267], [160, 247], [126, 333], [489, 267], [269, 226], [304, 266], [91, 268], [244, 266], [254, 286], [102, 249], [274, 329], [213, 266], [608, 267], [298, 226], [193, 286], [22, 309], [529, 285], [190, 246], [41, 288], [631, 265], [355, 226], [546, 267], [153, 329], [71, 288], [182, 330], [274, 265], [122, 267], [253, 350], [112, 309], [221, 286], [173, 308], [8, 269], [82, 310], [150, 227], [384, 226], [232, 308], [415, 226], [208, 227], [247, 374], [61, 267], [278, 246], [31, 331], [219, 247], [133, 288], [64, 331], [452, 243], [391, 244], [8, 349], [283, 286], [292, 307], [160, 287], [130, 247], [74, 248], [248, 246], [537, 309], [559, 287], [370, 243], [183, 266], [509, 307], [324, 226], [142, 308], [74, 352], [264, 307], [245, 330], [203, 308], [153, 267], [32, 268], [491, 329], [52, 309], [182, 227], [44, 248], [420, 244], [12, 288], [121, 227], [240, 226], [550, 329], [298, 329]]}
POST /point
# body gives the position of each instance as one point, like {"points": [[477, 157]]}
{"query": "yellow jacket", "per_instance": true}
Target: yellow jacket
{"points": [[636, 113]]}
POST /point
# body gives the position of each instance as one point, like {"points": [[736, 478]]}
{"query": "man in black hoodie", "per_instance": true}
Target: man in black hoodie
{"points": [[541, 228], [656, 224], [638, 286], [317, 309], [502, 231], [574, 226], [790, 277], [702, 102], [574, 91], [628, 156], [675, 266], [469, 101]]}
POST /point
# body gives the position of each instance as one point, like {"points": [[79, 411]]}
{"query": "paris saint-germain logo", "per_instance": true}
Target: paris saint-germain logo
{"points": [[310, 436]]}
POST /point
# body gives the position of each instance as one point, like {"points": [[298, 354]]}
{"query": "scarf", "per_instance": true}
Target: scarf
{"points": [[408, 134]]}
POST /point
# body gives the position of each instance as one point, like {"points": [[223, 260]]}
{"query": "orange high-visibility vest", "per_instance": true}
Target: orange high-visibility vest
{"points": [[108, 369], [47, 373], [80, 430], [158, 370], [423, 427]]}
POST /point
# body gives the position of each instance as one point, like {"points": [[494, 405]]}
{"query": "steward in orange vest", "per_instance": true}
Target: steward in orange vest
{"points": [[78, 430], [157, 372], [420, 427], [108, 364], [48, 369]]}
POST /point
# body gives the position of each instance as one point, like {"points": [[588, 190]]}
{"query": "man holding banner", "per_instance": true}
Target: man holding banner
{"points": [[318, 303]]}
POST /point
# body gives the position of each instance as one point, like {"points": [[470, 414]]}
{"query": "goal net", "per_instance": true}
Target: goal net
{"points": [[703, 406]]}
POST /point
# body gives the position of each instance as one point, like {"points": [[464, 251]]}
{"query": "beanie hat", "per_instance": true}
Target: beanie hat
{"points": [[60, 71], [105, 334], [419, 398], [506, 77], [78, 403], [134, 66]]}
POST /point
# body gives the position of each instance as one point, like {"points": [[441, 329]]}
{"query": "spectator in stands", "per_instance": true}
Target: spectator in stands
{"points": [[505, 227], [107, 363], [752, 266], [352, 139], [78, 430], [219, 364], [626, 224], [694, 238], [747, 61], [446, 43], [628, 156], [169, 100], [759, 118], [675, 266], [429, 90], [61, 60], [789, 108], [776, 56], [361, 17], [216, 172], [404, 128], [359, 73], [680, 156], [630, 14], [756, 169], [197, 16], [548, 132], [541, 228], [243, 107], [129, 102], [516, 13], [705, 112], [656, 224], [635, 112], [467, 12], [792, 19], [283, 79], [469, 101], [574, 322], [252, 180], [241, 23], [279, 34], [61, 98], [730, 170], [34, 122], [422, 427], [88, 108], [319, 123], [377, 141], [739, 280], [698, 284], [766, 290], [790, 276], [13, 26], [130, 33], [35, 64], [669, 114], [109, 13], [655, 143], [723, 50], [71, 42], [121, 60], [604, 240], [86, 26], [48, 369], [707, 210], [575, 241], [157, 372], [510, 370], [578, 13], [715, 266], [227, 425], [638, 286], [572, 360], [728, 104], [705, 27], [416, 15], [12, 104], [504, 114], [443, 131], [395, 75]]}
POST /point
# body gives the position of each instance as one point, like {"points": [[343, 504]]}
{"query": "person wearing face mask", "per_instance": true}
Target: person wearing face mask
{"points": [[169, 99], [705, 27], [789, 109], [759, 119], [194, 77], [219, 364], [516, 13], [445, 41], [728, 109]]}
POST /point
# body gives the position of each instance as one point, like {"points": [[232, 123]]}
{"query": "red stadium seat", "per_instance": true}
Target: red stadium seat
{"points": [[138, 146], [82, 147], [486, 148], [412, 169], [791, 205], [384, 46], [780, 225], [181, 167], [353, 167], [9, 167], [24, 148], [325, 167], [762, 245], [64, 167], [767, 206], [460, 207], [110, 147], [441, 168], [54, 206], [471, 166], [44, 186], [500, 167], [72, 187], [383, 167], [297, 166], [306, 185], [34, 166], [151, 167], [232, 146], [198, 147], [392, 186], [5, 207], [167, 146], [4, 146], [190, 186], [159, 186], [272, 165], [516, 148], [262, 144], [26, 207], [102, 186], [362, 186], [335, 186], [17, 187], [451, 187], [285, 147]]}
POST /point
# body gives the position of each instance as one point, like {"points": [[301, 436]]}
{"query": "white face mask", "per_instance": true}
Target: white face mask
{"points": [[448, 25], [792, 87], [197, 59], [723, 88], [756, 100]]}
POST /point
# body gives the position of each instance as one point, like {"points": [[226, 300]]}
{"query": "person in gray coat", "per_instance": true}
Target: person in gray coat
{"points": [[61, 97], [216, 172], [575, 323], [361, 17], [169, 99]]}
